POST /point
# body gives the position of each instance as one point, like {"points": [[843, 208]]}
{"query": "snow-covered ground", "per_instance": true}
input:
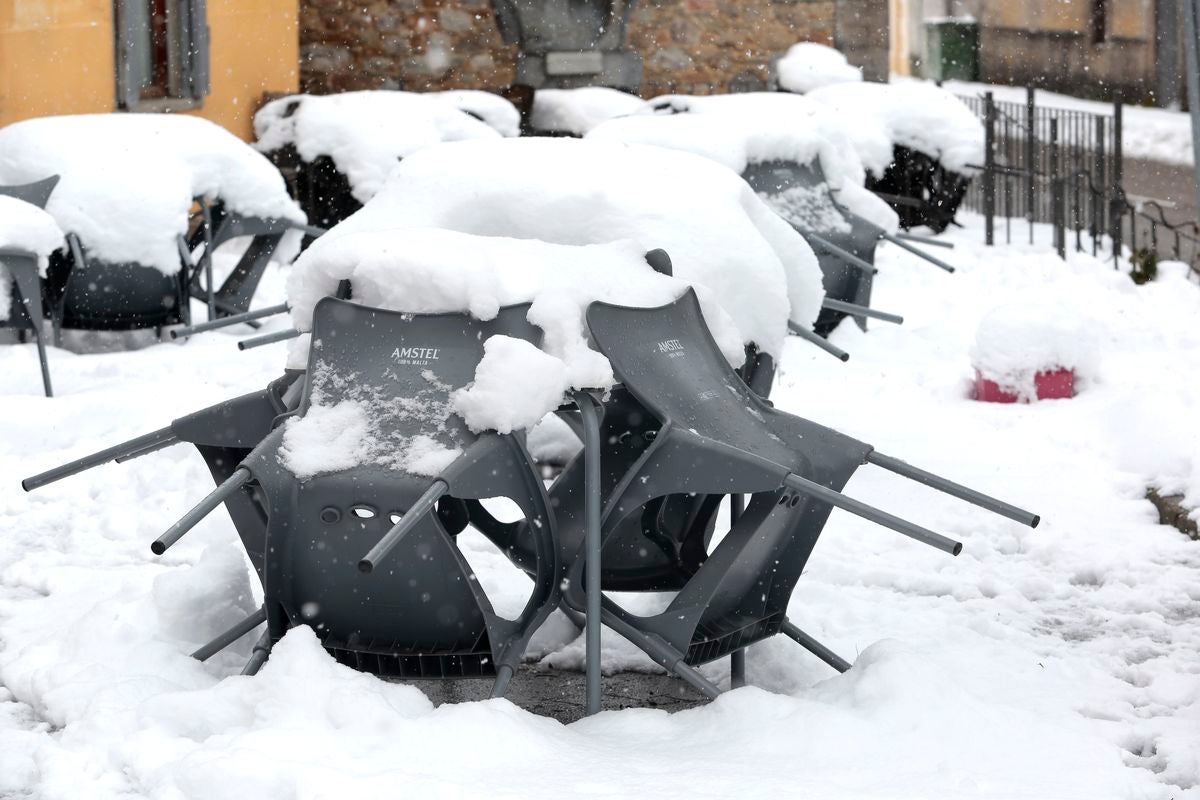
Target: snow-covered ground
{"points": [[1054, 663], [1153, 134]]}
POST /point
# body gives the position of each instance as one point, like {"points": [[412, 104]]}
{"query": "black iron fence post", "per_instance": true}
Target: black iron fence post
{"points": [[1030, 157], [1117, 200], [1057, 215], [989, 169], [1096, 187]]}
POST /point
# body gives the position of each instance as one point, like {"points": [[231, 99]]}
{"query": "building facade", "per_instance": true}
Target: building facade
{"points": [[693, 46], [1089, 48], [211, 58]]}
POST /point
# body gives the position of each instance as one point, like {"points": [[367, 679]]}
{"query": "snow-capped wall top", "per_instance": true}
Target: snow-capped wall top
{"points": [[809, 66], [914, 114], [577, 111], [738, 130], [128, 180], [365, 133], [585, 192], [487, 106]]}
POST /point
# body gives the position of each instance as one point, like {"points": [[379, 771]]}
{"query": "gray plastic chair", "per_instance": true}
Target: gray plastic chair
{"points": [[90, 294], [418, 611], [410, 608], [690, 426], [26, 311], [845, 251], [219, 226]]}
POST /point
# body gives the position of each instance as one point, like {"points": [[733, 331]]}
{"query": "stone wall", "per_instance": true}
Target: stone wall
{"points": [[694, 46]]}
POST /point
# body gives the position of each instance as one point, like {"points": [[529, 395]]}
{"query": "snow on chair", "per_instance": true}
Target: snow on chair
{"points": [[28, 236], [799, 156], [935, 145], [712, 436], [130, 185], [337, 150]]}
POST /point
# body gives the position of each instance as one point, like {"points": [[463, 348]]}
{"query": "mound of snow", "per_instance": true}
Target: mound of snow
{"points": [[488, 107], [428, 270], [742, 129], [367, 133], [497, 402], [24, 226], [809, 66], [128, 181], [577, 111], [720, 236], [1015, 342], [920, 116]]}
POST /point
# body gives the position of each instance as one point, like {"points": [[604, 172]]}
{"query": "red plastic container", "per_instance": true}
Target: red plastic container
{"points": [[1058, 384]]}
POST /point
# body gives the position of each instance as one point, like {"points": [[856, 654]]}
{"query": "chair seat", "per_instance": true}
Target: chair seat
{"points": [[426, 661], [105, 296]]}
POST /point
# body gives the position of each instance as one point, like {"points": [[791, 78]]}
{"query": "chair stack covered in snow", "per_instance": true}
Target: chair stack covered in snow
{"points": [[933, 143], [802, 160], [144, 200], [493, 284], [936, 146]]}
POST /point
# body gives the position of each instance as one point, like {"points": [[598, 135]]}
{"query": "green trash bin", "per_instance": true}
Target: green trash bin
{"points": [[952, 49]]}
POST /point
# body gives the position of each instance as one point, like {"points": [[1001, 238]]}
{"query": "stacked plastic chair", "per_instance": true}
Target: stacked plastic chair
{"points": [[110, 167], [22, 267], [844, 242]]}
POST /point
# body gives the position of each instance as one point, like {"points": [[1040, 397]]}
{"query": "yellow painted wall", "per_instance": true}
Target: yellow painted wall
{"points": [[255, 49], [57, 56]]}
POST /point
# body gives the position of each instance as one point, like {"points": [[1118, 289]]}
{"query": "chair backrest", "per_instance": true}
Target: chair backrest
{"points": [[668, 360], [404, 366], [36, 193], [714, 427], [800, 194], [399, 370]]}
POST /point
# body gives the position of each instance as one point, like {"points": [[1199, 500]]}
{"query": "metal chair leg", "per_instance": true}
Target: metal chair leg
{"points": [[664, 654], [262, 650], [737, 669], [230, 636], [737, 659], [41, 349], [504, 676], [591, 481], [813, 646]]}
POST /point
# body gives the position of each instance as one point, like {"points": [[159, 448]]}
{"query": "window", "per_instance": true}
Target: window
{"points": [[1099, 21], [162, 54]]}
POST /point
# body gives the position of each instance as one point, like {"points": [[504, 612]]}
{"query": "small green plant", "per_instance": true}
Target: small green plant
{"points": [[1144, 265]]}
